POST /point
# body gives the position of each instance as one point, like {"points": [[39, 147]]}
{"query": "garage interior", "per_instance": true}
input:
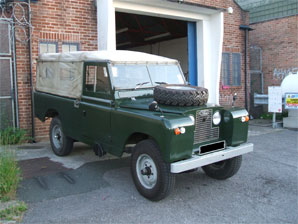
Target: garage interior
{"points": [[154, 35]]}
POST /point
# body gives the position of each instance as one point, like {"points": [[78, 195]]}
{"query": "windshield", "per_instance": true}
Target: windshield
{"points": [[135, 76]]}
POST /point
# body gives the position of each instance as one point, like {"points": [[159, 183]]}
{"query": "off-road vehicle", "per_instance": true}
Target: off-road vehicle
{"points": [[123, 101]]}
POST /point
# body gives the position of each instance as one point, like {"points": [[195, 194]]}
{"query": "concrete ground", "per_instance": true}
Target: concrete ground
{"points": [[82, 188]]}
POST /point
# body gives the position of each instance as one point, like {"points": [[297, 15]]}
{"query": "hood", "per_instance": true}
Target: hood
{"points": [[143, 104]]}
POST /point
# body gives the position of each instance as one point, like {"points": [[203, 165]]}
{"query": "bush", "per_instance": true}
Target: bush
{"points": [[11, 136], [10, 175]]}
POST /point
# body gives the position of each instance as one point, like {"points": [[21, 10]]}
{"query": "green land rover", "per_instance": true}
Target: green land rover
{"points": [[124, 101]]}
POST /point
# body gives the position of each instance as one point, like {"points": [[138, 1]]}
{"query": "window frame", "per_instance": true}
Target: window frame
{"points": [[48, 42], [232, 73], [228, 70], [231, 70], [70, 44], [103, 95]]}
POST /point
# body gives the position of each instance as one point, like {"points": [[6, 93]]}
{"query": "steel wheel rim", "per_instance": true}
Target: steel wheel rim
{"points": [[57, 136], [146, 171]]}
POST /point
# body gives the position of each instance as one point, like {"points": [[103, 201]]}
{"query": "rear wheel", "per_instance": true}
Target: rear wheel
{"points": [[61, 144], [151, 175], [224, 169]]}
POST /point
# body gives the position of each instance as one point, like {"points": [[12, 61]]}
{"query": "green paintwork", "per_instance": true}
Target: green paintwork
{"points": [[111, 121]]}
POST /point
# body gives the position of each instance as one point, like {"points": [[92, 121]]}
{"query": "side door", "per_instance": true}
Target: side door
{"points": [[96, 105]]}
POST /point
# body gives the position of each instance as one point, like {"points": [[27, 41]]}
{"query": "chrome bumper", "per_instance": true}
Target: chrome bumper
{"points": [[197, 161]]}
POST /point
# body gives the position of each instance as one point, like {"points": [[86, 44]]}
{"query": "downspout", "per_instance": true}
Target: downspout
{"points": [[15, 78], [246, 29], [31, 75]]}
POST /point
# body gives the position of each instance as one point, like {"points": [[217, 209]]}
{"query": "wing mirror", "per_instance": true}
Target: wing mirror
{"points": [[234, 99], [153, 106]]}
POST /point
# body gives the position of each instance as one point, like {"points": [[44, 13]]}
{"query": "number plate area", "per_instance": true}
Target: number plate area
{"points": [[217, 146]]}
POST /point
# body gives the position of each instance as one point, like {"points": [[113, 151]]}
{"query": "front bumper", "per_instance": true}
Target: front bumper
{"points": [[197, 161]]}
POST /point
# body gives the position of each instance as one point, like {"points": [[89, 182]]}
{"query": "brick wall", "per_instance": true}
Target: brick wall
{"points": [[278, 40], [75, 21]]}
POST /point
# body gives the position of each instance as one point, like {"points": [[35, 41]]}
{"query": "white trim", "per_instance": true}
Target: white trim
{"points": [[198, 161], [164, 9]]}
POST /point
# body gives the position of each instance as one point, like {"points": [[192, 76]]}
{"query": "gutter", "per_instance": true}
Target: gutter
{"points": [[246, 28]]}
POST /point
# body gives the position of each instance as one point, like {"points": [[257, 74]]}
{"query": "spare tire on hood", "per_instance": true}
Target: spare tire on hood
{"points": [[180, 95]]}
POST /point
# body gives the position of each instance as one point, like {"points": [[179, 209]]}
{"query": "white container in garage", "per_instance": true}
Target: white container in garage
{"points": [[290, 85]]}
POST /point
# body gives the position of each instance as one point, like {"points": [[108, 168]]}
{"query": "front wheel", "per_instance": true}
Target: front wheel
{"points": [[151, 175], [61, 144], [224, 169]]}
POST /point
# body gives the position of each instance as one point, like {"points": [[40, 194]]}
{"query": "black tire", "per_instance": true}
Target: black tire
{"points": [[61, 144], [180, 95], [165, 180], [224, 169]]}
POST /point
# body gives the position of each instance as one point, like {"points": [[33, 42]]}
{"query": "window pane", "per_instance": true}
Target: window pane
{"points": [[52, 48], [68, 47], [130, 76], [65, 48], [43, 48], [97, 79], [236, 69], [169, 74], [47, 47], [73, 47], [225, 69]]}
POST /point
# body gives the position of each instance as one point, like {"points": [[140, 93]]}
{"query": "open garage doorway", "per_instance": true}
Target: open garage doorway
{"points": [[154, 35]]}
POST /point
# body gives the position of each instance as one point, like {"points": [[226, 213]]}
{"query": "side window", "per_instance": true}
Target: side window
{"points": [[48, 47], [97, 79]]}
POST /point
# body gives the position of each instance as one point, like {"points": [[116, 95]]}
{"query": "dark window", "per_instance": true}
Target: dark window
{"points": [[68, 47], [236, 73], [231, 69], [225, 69], [97, 79], [48, 47]]}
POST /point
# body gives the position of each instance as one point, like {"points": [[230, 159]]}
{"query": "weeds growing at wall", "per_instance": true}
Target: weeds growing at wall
{"points": [[10, 175], [11, 136]]}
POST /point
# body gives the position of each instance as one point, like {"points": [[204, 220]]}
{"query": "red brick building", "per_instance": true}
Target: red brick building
{"points": [[59, 26]]}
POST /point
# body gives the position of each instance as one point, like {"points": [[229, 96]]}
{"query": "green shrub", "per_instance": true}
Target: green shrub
{"points": [[279, 116], [11, 136], [10, 175], [13, 212]]}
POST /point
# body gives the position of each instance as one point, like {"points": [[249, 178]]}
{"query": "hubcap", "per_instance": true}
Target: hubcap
{"points": [[146, 171], [57, 136]]}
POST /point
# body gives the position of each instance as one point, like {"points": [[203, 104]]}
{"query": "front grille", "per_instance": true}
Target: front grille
{"points": [[203, 130]]}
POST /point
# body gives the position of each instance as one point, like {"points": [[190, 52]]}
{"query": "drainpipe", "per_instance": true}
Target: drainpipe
{"points": [[31, 75], [15, 78], [246, 29]]}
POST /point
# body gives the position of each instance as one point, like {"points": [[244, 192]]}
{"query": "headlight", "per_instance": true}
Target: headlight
{"points": [[216, 118]]}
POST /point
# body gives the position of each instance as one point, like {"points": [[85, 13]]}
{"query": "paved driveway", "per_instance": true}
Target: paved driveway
{"points": [[102, 191]]}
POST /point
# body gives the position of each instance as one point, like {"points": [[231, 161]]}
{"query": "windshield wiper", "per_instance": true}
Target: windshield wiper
{"points": [[140, 84], [161, 82]]}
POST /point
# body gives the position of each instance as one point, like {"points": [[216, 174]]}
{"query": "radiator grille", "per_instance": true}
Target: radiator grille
{"points": [[203, 130]]}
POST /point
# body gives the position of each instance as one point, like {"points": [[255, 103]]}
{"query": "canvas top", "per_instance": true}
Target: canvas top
{"points": [[112, 56]]}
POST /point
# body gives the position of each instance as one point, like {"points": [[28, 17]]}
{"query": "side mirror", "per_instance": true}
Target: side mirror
{"points": [[153, 106]]}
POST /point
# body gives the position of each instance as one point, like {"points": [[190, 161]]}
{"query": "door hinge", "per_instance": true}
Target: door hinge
{"points": [[76, 103]]}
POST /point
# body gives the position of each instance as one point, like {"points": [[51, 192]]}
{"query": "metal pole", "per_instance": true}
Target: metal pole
{"points": [[245, 72], [274, 125], [31, 74], [15, 77]]}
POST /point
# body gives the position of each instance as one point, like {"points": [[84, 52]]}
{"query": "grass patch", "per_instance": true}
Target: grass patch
{"points": [[12, 136], [10, 175], [13, 212]]}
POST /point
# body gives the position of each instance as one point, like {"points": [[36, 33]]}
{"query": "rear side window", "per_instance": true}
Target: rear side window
{"points": [[97, 79]]}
